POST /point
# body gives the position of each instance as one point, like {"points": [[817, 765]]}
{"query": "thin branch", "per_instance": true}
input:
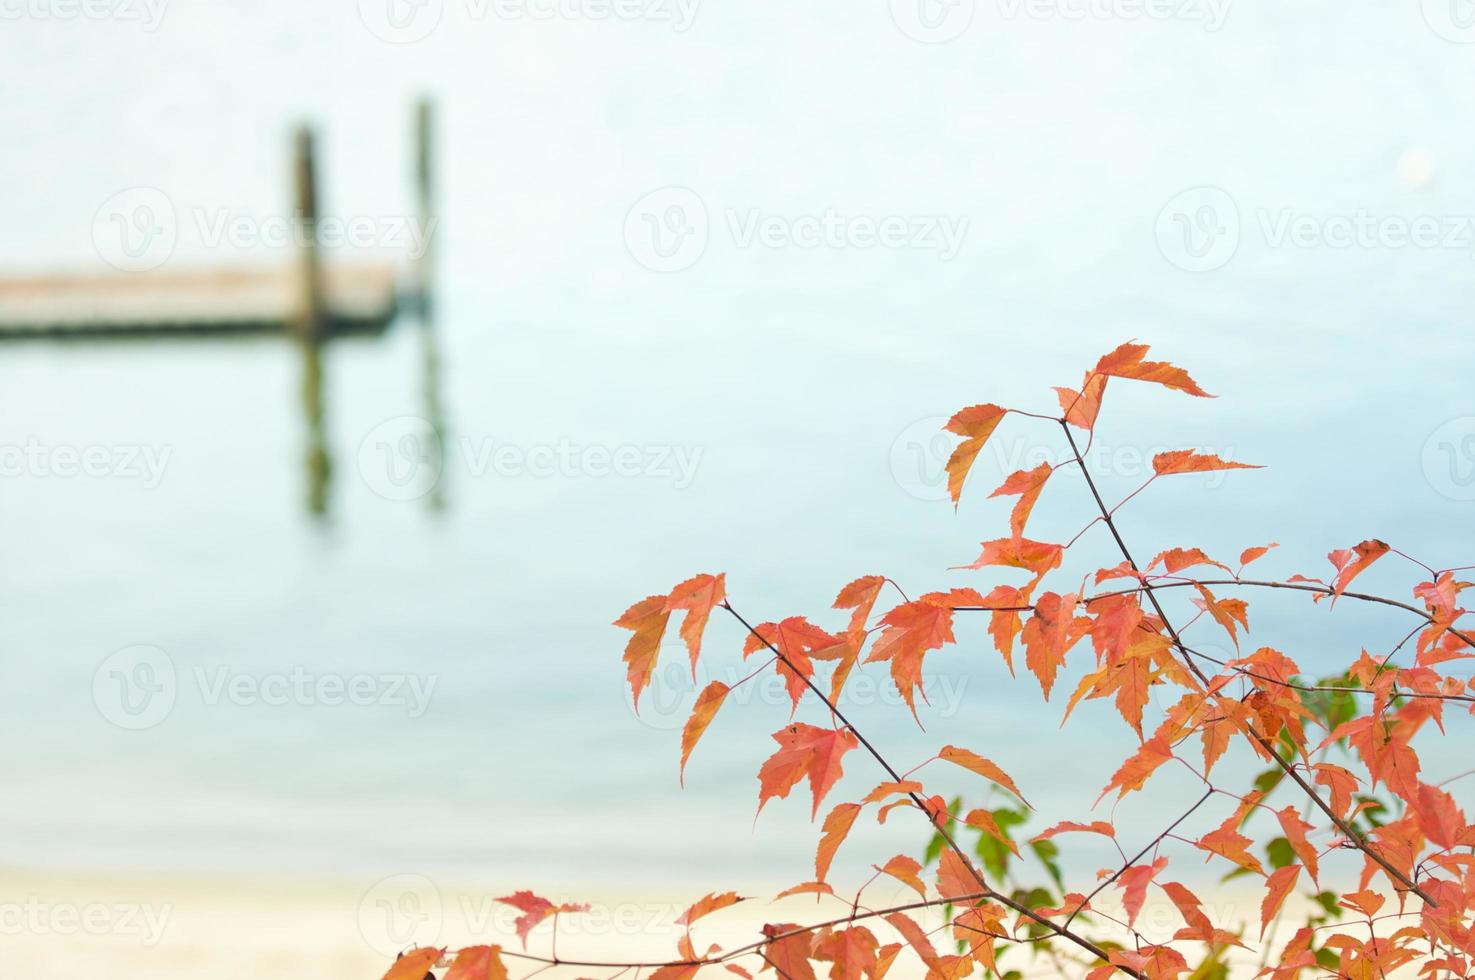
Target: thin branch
{"points": [[990, 893], [1347, 829]]}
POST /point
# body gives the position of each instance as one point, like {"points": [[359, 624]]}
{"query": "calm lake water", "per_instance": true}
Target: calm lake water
{"points": [[634, 392]]}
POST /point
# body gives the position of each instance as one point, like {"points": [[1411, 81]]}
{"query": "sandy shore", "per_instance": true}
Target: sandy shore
{"points": [[55, 927]]}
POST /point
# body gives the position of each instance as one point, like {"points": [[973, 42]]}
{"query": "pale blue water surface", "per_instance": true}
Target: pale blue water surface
{"points": [[808, 380]]}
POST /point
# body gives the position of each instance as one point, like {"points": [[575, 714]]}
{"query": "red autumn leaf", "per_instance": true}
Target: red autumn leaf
{"points": [[860, 597], [851, 952], [477, 963], [1281, 881], [1140, 765], [788, 955], [985, 821], [1005, 621], [1081, 408], [1295, 830], [954, 877], [534, 910], [804, 750], [915, 936], [911, 632], [796, 638], [807, 888], [1174, 560], [836, 828], [1188, 461], [1440, 818], [1032, 556], [1127, 362], [414, 964], [702, 714], [1353, 563], [1134, 881], [1070, 827], [706, 906], [1226, 612], [1027, 485], [675, 971], [905, 786], [975, 425], [905, 870], [1049, 634], [974, 762], [1254, 554], [1230, 844], [697, 597], [647, 618]]}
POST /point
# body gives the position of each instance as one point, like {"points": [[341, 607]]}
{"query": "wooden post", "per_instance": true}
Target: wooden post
{"points": [[311, 320], [425, 201]]}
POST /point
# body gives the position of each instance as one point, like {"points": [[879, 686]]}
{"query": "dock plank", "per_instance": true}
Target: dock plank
{"points": [[361, 298]]}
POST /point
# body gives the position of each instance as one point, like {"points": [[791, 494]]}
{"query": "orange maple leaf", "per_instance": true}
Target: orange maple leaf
{"points": [[796, 638], [1082, 407], [702, 714], [804, 750], [647, 618], [1027, 485], [1188, 461], [697, 597], [1352, 563], [477, 963], [1127, 362], [414, 964], [1049, 634], [975, 425], [836, 828], [535, 909]]}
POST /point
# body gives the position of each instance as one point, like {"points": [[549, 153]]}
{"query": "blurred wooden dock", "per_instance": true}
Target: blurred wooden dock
{"points": [[360, 298]]}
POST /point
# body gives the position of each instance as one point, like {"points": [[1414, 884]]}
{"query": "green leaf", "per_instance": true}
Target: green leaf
{"points": [[1280, 853]]}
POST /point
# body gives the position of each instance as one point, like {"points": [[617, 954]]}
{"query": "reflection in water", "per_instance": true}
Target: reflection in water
{"points": [[425, 273], [311, 323]]}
